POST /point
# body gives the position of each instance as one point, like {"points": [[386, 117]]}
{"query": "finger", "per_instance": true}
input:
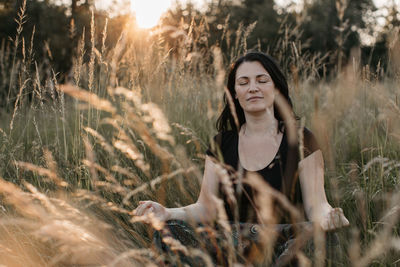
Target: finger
{"points": [[330, 224], [138, 209], [324, 225], [331, 220], [335, 217], [344, 220], [142, 207], [146, 207], [148, 211], [341, 219]]}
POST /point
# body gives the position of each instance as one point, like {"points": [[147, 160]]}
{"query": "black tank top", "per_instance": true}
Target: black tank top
{"points": [[283, 166]]}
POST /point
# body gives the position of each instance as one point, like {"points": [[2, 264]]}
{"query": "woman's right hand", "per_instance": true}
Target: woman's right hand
{"points": [[158, 210]]}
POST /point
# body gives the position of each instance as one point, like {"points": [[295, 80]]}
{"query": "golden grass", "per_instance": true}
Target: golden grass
{"points": [[68, 193]]}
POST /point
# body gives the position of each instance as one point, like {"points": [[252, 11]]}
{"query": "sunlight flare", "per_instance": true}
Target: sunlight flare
{"points": [[148, 12]]}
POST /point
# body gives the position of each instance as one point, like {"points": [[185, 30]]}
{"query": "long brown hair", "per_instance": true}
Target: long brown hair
{"points": [[226, 120]]}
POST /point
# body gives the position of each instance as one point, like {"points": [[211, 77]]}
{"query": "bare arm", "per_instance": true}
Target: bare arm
{"points": [[311, 172], [202, 211]]}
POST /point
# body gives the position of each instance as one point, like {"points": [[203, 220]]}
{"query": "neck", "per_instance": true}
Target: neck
{"points": [[261, 124]]}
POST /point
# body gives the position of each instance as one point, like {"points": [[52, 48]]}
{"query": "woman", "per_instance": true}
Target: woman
{"points": [[255, 140]]}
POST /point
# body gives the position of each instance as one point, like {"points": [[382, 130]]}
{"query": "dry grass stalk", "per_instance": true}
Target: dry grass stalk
{"points": [[232, 107], [101, 140], [205, 257], [37, 130], [17, 102], [63, 228], [132, 153], [90, 159], [103, 40], [133, 179], [218, 66], [137, 123], [190, 133], [17, 246], [222, 220], [151, 185], [226, 184], [132, 95], [380, 244], [159, 121], [94, 199], [79, 62], [21, 201], [110, 187], [43, 172], [136, 254], [4, 134], [112, 183], [125, 144], [109, 177], [20, 20], [266, 215], [320, 246], [300, 134], [92, 55], [76, 245], [175, 245], [51, 163], [249, 29], [93, 99], [38, 91], [116, 55], [151, 219], [46, 203]]}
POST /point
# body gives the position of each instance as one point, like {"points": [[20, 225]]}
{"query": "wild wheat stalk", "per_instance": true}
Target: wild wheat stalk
{"points": [[16, 104], [20, 20], [91, 65]]}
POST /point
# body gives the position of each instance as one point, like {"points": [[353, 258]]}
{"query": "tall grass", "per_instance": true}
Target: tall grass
{"points": [[134, 122]]}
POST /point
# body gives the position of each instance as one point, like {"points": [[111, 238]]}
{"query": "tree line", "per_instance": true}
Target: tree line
{"points": [[327, 29]]}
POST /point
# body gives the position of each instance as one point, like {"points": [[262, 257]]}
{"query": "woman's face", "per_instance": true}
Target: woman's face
{"points": [[254, 87]]}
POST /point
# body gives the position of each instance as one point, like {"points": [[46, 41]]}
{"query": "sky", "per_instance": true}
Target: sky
{"points": [[148, 12]]}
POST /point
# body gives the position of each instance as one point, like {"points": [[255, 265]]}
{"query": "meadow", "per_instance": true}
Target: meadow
{"points": [[132, 122]]}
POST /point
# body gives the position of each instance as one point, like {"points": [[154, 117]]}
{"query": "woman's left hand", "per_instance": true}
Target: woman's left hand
{"points": [[158, 210], [332, 218]]}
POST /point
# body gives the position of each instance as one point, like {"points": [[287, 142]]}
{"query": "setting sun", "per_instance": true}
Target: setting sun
{"points": [[148, 12]]}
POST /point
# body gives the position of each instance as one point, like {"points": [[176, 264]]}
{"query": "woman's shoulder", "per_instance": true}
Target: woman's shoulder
{"points": [[225, 136], [222, 141]]}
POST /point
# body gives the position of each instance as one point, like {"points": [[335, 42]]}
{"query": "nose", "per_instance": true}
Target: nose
{"points": [[253, 87]]}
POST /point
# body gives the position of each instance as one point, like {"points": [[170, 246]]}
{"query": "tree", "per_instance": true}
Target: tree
{"points": [[262, 12], [332, 27], [383, 55]]}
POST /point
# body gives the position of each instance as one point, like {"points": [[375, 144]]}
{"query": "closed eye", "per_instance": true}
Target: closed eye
{"points": [[243, 81], [263, 78]]}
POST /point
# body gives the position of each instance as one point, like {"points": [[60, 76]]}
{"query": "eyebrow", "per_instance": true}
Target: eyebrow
{"points": [[258, 76]]}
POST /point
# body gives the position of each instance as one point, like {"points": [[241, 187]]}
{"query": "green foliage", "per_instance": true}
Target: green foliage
{"points": [[332, 27]]}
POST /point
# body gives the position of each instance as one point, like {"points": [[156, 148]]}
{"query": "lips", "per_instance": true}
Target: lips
{"points": [[254, 98]]}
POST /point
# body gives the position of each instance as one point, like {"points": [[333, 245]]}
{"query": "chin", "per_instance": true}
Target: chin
{"points": [[256, 110]]}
